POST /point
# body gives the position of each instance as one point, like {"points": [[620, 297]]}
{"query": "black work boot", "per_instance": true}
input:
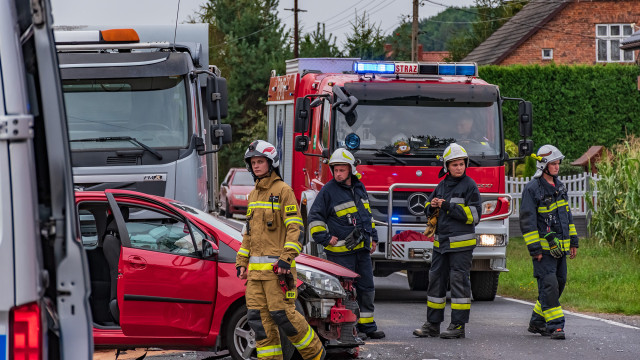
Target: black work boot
{"points": [[428, 329], [378, 334], [538, 329], [558, 334], [454, 331]]}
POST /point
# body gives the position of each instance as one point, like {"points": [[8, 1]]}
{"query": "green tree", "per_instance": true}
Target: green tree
{"points": [[317, 44], [400, 41], [247, 41], [491, 15], [366, 41]]}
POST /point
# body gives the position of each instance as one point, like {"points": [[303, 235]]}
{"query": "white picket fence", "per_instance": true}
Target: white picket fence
{"points": [[577, 186]]}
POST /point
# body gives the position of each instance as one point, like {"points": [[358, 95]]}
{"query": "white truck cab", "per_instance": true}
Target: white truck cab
{"points": [[44, 311]]}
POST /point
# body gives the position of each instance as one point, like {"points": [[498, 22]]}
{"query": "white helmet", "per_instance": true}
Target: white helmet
{"points": [[264, 149], [546, 154], [454, 152], [343, 156]]}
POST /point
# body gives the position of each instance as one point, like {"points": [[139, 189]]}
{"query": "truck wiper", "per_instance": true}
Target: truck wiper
{"points": [[378, 151], [122, 138]]}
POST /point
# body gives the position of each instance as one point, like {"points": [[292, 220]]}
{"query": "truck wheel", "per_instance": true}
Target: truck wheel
{"points": [[240, 339], [484, 285], [418, 280]]}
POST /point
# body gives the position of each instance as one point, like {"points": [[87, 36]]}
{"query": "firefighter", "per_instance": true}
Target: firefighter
{"points": [[340, 220], [270, 241], [550, 234], [456, 199]]}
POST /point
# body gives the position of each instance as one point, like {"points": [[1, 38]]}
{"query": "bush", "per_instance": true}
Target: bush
{"points": [[617, 219], [574, 106], [566, 169]]}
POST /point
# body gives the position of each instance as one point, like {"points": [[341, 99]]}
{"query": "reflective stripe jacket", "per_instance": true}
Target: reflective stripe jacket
{"points": [[456, 228], [272, 230], [333, 212], [545, 208]]}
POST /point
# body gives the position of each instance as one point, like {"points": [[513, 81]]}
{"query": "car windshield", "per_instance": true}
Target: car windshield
{"points": [[402, 128], [243, 178], [152, 110]]}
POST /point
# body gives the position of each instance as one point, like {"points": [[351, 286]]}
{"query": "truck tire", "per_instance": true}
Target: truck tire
{"points": [[418, 280], [484, 285], [240, 339]]}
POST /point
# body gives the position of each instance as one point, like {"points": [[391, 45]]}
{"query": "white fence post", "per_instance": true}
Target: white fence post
{"points": [[576, 189]]}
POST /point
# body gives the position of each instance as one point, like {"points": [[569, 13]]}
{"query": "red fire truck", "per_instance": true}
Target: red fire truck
{"points": [[398, 117]]}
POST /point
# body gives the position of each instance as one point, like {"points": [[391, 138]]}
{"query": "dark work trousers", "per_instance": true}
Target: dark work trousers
{"points": [[454, 266], [551, 274], [360, 262]]}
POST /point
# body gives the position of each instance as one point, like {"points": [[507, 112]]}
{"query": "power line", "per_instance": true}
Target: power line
{"points": [[365, 12], [347, 15], [253, 33]]}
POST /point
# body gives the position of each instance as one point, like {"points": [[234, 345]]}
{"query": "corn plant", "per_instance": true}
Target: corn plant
{"points": [[616, 215]]}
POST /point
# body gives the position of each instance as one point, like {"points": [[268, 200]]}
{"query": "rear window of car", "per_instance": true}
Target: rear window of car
{"points": [[242, 178]]}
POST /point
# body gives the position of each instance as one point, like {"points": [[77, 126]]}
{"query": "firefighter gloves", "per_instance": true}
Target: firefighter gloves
{"points": [[554, 245]]}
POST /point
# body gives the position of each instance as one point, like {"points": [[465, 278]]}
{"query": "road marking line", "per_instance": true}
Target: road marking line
{"points": [[576, 314]]}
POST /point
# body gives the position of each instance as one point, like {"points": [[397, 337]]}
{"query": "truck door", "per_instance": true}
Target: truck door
{"points": [[165, 288]]}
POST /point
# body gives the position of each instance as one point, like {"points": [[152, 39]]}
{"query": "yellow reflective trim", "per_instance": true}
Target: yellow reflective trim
{"points": [[343, 248], [243, 252], [264, 205], [349, 210], [538, 309], [544, 243], [306, 340], [460, 306], [436, 243], [553, 313], [572, 230], [373, 225], [294, 220], [467, 211], [366, 320], [531, 235], [268, 351], [435, 305], [459, 244], [294, 246], [260, 267], [532, 241], [316, 229]]}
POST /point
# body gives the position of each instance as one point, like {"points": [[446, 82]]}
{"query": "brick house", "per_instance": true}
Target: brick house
{"points": [[563, 32], [426, 56]]}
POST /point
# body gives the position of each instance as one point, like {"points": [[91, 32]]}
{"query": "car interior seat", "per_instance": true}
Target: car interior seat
{"points": [[111, 247]]}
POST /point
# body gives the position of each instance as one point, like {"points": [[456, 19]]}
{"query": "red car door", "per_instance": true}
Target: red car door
{"points": [[165, 286]]}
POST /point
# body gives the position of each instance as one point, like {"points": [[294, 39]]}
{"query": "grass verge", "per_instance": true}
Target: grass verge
{"points": [[600, 279]]}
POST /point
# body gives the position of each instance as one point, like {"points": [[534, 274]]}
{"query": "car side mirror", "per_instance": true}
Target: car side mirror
{"points": [[224, 132], [209, 249], [217, 97], [303, 111], [526, 119], [224, 183]]}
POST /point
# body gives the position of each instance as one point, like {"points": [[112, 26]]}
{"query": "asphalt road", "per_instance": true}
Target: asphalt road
{"points": [[497, 330]]}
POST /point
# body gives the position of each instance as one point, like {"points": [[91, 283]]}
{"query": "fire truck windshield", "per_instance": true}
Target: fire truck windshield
{"points": [[152, 110], [406, 129]]}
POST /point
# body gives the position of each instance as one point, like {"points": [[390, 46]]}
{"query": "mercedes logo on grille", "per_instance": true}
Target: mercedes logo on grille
{"points": [[416, 203]]}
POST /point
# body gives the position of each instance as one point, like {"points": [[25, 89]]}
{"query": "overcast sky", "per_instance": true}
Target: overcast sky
{"points": [[336, 14]]}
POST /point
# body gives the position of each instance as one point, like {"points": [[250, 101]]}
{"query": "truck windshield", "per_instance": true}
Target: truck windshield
{"points": [[402, 128], [152, 110]]}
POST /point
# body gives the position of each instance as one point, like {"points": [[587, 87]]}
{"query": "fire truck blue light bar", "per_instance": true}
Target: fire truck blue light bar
{"points": [[373, 68]]}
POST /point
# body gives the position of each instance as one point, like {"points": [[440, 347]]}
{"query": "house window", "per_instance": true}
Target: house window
{"points": [[608, 38], [547, 54]]}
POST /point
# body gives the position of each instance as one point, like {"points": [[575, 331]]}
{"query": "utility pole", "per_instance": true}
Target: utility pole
{"points": [[296, 32], [414, 32]]}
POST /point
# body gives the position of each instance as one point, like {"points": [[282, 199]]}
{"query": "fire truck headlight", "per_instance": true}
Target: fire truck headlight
{"points": [[352, 141], [324, 284], [490, 240], [489, 207]]}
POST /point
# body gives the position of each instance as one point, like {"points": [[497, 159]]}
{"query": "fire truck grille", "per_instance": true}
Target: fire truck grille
{"points": [[401, 212]]}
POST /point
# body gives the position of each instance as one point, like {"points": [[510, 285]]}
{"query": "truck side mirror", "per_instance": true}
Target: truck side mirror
{"points": [[302, 143], [223, 132], [303, 110], [326, 153], [526, 119], [217, 97], [525, 147]]}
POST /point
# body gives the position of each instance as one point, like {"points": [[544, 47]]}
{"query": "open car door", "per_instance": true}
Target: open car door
{"points": [[166, 287]]}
